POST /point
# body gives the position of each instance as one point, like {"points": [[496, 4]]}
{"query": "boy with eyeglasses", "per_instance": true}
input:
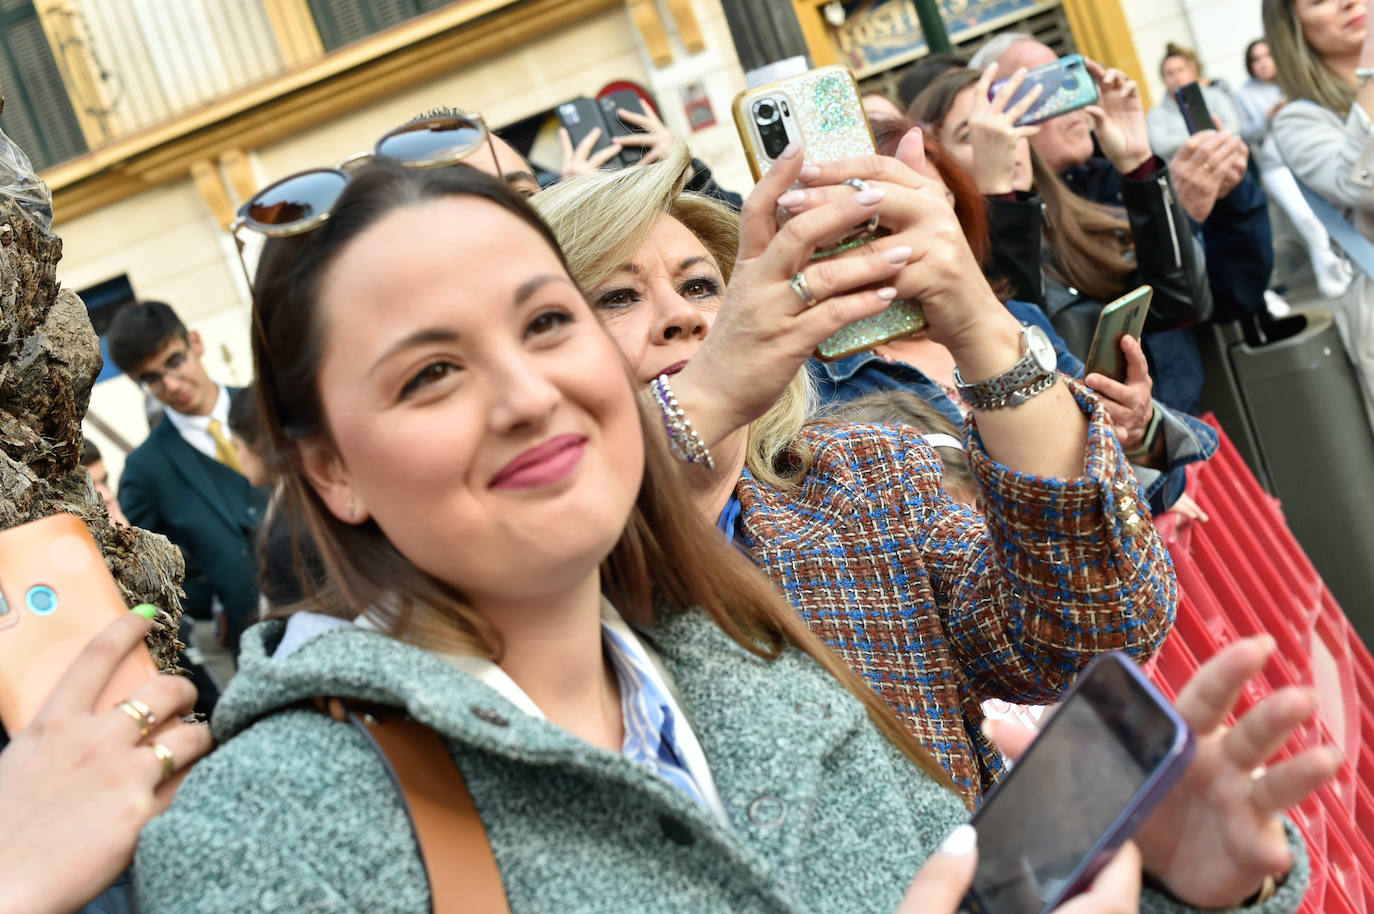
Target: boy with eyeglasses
{"points": [[185, 481]]}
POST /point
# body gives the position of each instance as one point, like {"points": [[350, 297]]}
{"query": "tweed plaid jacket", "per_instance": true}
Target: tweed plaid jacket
{"points": [[940, 609]]}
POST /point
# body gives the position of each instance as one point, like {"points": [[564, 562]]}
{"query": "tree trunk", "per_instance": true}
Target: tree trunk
{"points": [[49, 359]]}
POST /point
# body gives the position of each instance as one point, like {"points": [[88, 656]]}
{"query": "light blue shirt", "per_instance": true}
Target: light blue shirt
{"points": [[658, 736]]}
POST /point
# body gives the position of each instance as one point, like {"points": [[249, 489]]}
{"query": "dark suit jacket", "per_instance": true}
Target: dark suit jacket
{"points": [[205, 508]]}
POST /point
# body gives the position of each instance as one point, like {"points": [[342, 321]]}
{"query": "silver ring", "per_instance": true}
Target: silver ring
{"points": [[802, 288], [860, 185]]}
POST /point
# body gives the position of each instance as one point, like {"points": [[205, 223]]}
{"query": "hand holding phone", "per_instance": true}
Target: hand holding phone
{"points": [[1108, 756], [1065, 86], [1124, 316], [620, 127], [77, 787], [585, 136], [820, 110], [1118, 119], [1194, 107]]}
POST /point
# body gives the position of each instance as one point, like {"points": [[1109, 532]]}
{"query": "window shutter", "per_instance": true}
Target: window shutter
{"points": [[343, 21], [38, 114]]}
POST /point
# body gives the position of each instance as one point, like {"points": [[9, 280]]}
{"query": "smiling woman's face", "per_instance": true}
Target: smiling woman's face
{"points": [[476, 409], [1334, 28], [658, 307]]}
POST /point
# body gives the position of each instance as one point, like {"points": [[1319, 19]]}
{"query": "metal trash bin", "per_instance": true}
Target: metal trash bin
{"points": [[1293, 406]]}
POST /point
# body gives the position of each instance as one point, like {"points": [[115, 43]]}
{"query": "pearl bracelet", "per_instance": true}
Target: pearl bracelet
{"points": [[683, 440]]}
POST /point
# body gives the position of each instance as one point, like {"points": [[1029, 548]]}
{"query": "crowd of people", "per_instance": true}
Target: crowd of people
{"points": [[705, 623]]}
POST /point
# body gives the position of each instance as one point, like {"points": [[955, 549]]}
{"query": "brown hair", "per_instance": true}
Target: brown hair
{"points": [[1088, 242], [669, 555], [1302, 74], [1178, 50]]}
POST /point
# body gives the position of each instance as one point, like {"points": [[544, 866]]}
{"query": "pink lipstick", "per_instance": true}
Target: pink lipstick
{"points": [[542, 465]]}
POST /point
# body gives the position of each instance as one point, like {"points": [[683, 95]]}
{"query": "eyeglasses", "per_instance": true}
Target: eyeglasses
{"points": [[304, 201], [152, 380]]}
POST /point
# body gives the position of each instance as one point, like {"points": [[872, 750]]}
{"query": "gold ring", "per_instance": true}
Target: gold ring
{"points": [[802, 288], [164, 755], [140, 713]]}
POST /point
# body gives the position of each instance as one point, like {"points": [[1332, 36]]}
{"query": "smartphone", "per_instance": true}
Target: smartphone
{"points": [[1125, 315], [1194, 107], [820, 109], [581, 116], [611, 104], [1111, 751], [1066, 85], [55, 596]]}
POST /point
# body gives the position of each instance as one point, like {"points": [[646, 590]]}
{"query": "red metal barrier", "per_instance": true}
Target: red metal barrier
{"points": [[1242, 573]]}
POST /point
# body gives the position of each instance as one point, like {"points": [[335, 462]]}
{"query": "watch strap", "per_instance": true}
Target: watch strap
{"points": [[1012, 387]]}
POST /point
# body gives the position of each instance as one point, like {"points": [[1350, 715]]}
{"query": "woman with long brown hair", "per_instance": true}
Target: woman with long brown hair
{"points": [[1324, 52], [1092, 253]]}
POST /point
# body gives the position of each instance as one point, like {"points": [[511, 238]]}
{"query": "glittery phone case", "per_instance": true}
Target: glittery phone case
{"points": [[1066, 86], [829, 121]]}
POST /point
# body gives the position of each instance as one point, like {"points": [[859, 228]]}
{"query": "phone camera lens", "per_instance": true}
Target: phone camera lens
{"points": [[41, 600], [766, 113]]}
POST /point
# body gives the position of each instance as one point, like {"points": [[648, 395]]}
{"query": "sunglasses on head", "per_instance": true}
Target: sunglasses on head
{"points": [[303, 201]]}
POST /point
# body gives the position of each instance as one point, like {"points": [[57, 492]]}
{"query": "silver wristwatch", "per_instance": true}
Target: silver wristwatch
{"points": [[1035, 373]]}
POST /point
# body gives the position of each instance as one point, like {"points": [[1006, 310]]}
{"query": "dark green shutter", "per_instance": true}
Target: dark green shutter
{"points": [[342, 22], [38, 114]]}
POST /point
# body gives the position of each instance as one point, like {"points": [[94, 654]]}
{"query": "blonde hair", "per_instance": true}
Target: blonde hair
{"points": [[603, 218], [1302, 74]]}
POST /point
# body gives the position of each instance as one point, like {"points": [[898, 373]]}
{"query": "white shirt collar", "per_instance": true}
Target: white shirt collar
{"points": [[182, 422]]}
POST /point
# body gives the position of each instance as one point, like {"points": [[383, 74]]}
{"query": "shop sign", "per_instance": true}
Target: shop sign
{"points": [[878, 34]]}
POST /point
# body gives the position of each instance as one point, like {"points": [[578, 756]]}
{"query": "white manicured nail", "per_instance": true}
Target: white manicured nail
{"points": [[960, 842]]}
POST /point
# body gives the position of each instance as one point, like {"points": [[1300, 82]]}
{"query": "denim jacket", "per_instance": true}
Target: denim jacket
{"points": [[1186, 439]]}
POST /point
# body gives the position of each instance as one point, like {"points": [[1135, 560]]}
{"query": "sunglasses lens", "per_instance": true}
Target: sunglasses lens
{"points": [[435, 139], [297, 199]]}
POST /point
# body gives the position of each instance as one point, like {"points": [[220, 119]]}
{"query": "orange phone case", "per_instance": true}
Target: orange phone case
{"points": [[56, 556]]}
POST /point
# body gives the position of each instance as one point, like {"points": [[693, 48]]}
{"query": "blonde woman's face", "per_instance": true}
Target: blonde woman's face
{"points": [[477, 410], [1334, 28], [658, 307]]}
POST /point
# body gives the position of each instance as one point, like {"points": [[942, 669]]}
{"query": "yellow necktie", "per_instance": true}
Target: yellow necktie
{"points": [[225, 452]]}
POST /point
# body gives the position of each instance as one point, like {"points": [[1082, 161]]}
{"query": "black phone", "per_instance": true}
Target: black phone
{"points": [[581, 116], [1112, 749], [1194, 108], [610, 110]]}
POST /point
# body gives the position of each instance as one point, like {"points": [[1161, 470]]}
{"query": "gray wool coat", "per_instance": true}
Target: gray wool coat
{"points": [[295, 813]]}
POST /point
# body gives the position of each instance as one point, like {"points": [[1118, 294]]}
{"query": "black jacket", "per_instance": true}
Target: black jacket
{"points": [[1167, 257]]}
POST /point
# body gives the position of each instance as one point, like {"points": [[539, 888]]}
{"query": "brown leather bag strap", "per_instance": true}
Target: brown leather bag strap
{"points": [[462, 871]]}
